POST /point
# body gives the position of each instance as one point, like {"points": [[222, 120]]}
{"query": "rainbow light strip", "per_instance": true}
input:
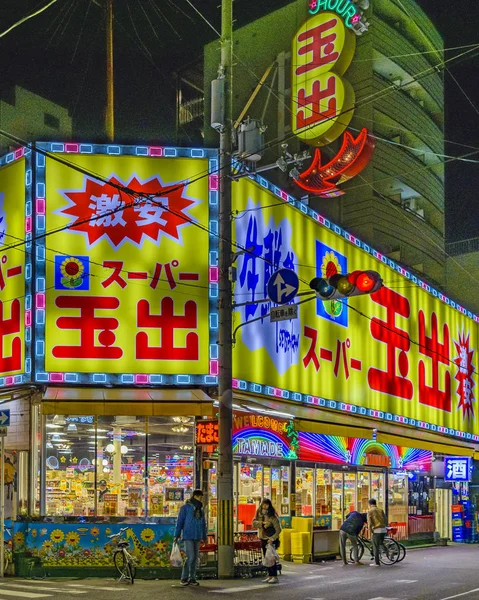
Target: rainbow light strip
{"points": [[253, 433], [334, 449]]}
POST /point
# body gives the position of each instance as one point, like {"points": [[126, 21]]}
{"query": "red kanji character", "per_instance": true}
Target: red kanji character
{"points": [[167, 323], [322, 48], [14, 271], [169, 274], [388, 382], [137, 275], [115, 277], [311, 355], [341, 353], [9, 327], [87, 323], [319, 111], [437, 352]]}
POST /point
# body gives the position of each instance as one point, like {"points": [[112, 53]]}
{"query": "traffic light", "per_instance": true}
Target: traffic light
{"points": [[337, 286]]}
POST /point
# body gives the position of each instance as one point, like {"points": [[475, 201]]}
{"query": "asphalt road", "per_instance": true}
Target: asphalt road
{"points": [[432, 574]]}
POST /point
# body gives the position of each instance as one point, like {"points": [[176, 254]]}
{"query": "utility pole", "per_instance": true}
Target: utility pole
{"points": [[225, 454], [109, 113]]}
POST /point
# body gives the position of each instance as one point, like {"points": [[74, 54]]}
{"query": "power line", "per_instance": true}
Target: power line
{"points": [[27, 18]]}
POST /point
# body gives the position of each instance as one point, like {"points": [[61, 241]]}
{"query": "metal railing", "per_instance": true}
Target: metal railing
{"points": [[463, 246]]}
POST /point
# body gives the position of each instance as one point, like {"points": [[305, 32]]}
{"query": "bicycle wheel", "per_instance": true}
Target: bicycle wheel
{"points": [[389, 552], [351, 553], [121, 564], [131, 571], [402, 554]]}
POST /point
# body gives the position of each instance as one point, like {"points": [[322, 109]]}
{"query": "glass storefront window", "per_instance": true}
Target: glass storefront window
{"points": [[304, 491], [323, 492], [364, 483], [117, 466], [398, 497], [170, 464], [69, 466], [249, 494]]}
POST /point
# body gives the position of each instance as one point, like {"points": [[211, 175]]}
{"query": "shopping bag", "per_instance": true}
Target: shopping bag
{"points": [[270, 556], [175, 556]]}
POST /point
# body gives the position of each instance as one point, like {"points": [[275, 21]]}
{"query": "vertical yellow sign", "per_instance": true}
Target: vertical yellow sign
{"points": [[12, 269]]}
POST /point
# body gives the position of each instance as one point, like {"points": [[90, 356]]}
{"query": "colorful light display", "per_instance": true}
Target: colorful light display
{"points": [[264, 436], [352, 158], [15, 267], [356, 451]]}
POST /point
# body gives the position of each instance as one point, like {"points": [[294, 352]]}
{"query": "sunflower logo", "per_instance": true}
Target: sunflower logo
{"points": [[47, 545], [19, 538], [147, 535], [330, 265], [57, 536], [95, 532], [72, 271], [161, 546], [34, 533], [72, 538]]}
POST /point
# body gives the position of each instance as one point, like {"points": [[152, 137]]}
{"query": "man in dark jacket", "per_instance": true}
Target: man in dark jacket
{"points": [[192, 524], [350, 530]]}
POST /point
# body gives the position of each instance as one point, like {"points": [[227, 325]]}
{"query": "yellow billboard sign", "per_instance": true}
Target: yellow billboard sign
{"points": [[13, 318], [322, 100], [401, 353], [127, 276]]}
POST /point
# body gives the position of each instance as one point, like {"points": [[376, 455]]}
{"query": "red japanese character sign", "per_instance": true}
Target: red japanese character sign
{"points": [[322, 100], [131, 294], [103, 211]]}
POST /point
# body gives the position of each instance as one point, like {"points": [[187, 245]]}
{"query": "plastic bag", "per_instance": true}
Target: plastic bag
{"points": [[270, 556], [175, 556]]}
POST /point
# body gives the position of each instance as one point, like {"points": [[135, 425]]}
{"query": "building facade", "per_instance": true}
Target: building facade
{"points": [[397, 202], [32, 117], [109, 365], [462, 271]]}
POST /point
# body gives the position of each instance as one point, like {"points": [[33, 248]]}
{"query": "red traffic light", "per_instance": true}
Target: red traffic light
{"points": [[347, 285]]}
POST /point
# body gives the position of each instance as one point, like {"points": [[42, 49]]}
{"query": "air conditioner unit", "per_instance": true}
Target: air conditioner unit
{"points": [[410, 204]]}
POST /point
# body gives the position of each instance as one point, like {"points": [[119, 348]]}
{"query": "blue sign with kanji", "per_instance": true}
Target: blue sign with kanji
{"points": [[457, 468], [5, 417]]}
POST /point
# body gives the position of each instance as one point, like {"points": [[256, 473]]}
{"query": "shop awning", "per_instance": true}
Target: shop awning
{"points": [[416, 441], [319, 420], [128, 402]]}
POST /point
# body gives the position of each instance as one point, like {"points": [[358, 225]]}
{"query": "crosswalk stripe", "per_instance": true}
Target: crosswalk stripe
{"points": [[50, 589], [315, 577], [30, 595], [406, 580], [96, 587]]}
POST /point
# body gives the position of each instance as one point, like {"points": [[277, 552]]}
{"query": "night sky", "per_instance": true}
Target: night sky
{"points": [[60, 55]]}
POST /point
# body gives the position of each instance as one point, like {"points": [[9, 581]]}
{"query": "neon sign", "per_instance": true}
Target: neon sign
{"points": [[345, 9], [262, 435]]}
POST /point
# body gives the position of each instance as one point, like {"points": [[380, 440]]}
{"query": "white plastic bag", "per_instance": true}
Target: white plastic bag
{"points": [[175, 556], [270, 556]]}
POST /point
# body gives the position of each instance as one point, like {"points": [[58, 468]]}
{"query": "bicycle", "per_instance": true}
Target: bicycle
{"points": [[389, 552], [123, 560]]}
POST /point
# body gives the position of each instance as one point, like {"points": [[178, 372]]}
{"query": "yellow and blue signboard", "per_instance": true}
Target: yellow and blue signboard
{"points": [[127, 276], [406, 353]]}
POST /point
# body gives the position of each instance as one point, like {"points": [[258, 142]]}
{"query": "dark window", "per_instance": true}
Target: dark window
{"points": [[51, 121]]}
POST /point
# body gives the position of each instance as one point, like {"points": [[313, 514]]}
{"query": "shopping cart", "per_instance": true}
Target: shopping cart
{"points": [[248, 555]]}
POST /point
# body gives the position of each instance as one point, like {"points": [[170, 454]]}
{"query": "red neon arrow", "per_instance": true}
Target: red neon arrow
{"points": [[351, 159]]}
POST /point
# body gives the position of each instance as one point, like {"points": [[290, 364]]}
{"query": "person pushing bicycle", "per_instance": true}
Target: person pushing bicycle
{"points": [[377, 526]]}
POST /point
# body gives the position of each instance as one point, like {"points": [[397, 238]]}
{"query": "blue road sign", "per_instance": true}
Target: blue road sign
{"points": [[283, 286], [4, 417]]}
